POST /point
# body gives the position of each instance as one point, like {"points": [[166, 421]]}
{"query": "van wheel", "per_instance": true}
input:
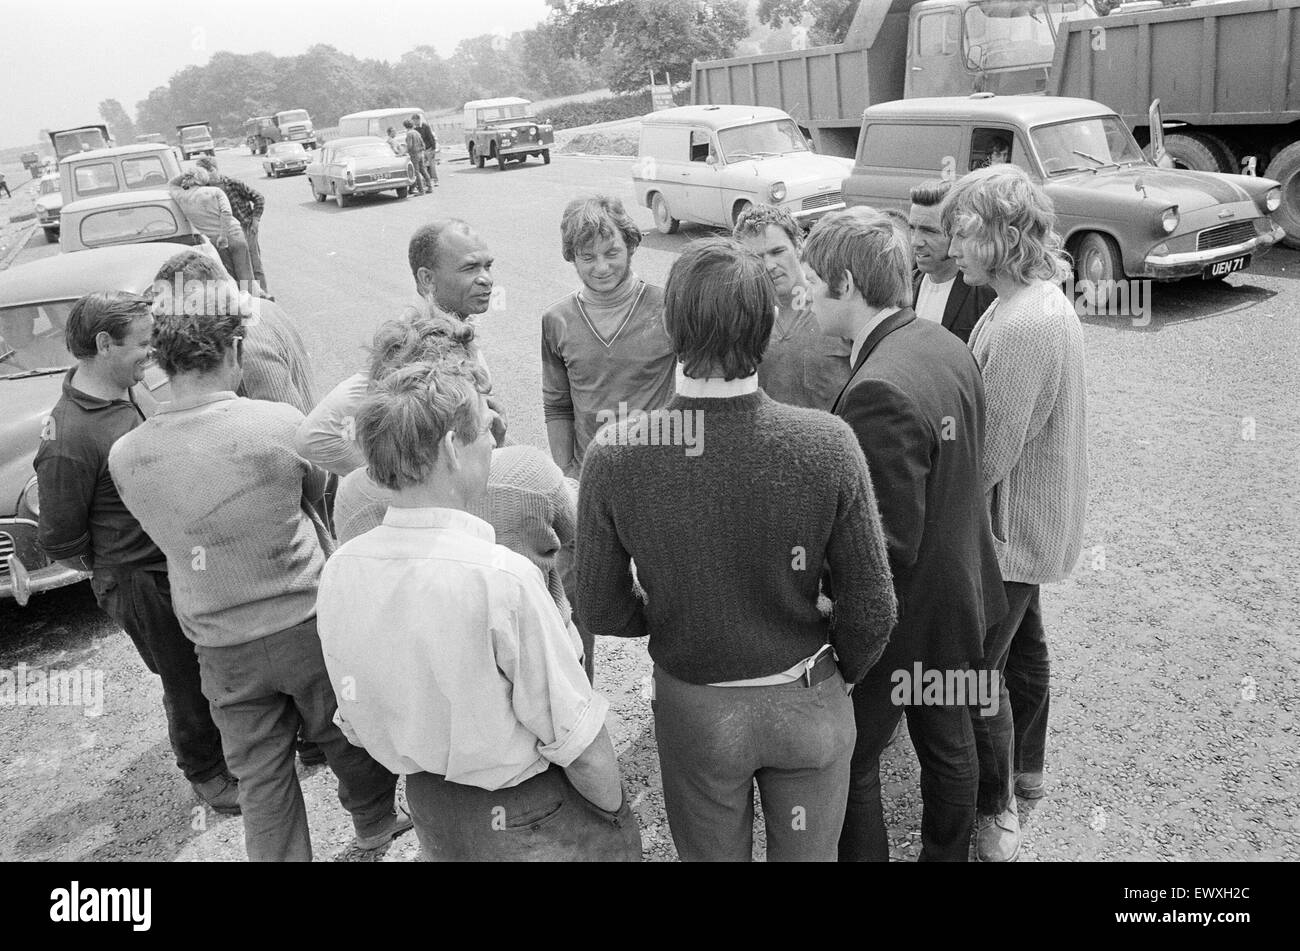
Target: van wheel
{"points": [[664, 220], [1097, 260], [546, 157]]}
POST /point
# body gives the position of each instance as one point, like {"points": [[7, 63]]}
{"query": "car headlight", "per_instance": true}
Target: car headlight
{"points": [[30, 500], [42, 208], [777, 191], [1273, 200], [532, 130], [1169, 219]]}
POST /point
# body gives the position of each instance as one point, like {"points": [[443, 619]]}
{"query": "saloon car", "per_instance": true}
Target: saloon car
{"points": [[708, 164], [1119, 215], [139, 217], [285, 158], [505, 130], [358, 165], [35, 300], [49, 205]]}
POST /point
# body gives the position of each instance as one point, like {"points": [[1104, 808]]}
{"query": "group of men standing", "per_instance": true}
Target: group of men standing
{"points": [[421, 145], [859, 448]]}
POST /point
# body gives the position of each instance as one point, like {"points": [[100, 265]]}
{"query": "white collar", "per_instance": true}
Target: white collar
{"points": [[454, 520], [860, 338], [715, 387]]}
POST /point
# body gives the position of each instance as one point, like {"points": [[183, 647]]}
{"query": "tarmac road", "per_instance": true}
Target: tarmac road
{"points": [[1174, 716]]}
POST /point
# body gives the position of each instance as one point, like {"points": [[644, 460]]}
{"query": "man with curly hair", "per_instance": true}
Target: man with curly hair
{"points": [[214, 482]]}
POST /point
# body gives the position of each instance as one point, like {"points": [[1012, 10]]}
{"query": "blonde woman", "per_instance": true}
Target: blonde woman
{"points": [[1029, 347]]}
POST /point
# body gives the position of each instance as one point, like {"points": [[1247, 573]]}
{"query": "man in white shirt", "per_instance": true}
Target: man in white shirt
{"points": [[451, 662], [939, 293]]}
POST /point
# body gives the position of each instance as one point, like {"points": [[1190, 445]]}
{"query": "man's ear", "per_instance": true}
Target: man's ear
{"points": [[450, 450], [103, 340], [424, 281], [848, 288]]}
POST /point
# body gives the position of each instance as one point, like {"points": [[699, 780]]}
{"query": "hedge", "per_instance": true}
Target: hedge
{"points": [[573, 114]]}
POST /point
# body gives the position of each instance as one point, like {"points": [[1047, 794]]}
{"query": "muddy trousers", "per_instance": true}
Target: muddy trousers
{"points": [[140, 600], [261, 692]]}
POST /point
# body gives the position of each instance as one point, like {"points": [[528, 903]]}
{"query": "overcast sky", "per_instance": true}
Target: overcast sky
{"points": [[60, 58]]}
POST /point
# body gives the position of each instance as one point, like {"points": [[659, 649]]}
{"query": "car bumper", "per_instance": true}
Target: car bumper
{"points": [[20, 584], [811, 216], [526, 148], [288, 169], [366, 188], [1169, 267]]}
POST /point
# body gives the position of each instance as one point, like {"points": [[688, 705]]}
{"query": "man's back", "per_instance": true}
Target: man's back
{"points": [[276, 364], [216, 485], [916, 404]]}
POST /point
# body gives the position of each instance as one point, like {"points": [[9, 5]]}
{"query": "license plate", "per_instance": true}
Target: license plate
{"points": [[1224, 268]]}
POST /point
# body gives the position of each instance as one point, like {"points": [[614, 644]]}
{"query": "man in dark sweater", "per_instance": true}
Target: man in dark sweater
{"points": [[85, 524], [729, 545], [916, 403]]}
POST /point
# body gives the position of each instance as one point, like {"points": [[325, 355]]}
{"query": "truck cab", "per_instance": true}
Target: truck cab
{"points": [[294, 125], [70, 141], [196, 139]]}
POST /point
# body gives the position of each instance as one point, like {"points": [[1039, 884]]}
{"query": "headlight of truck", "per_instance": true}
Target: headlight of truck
{"points": [[1273, 200], [1169, 219], [30, 500], [777, 191]]}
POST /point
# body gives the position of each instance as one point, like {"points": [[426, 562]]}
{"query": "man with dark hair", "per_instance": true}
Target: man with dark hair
{"points": [[85, 525], [916, 403], [939, 291], [212, 479], [247, 205], [729, 545], [430, 147], [802, 366], [495, 722], [415, 151], [604, 349]]}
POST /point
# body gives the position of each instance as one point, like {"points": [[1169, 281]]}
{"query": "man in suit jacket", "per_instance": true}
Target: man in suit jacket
{"points": [[916, 403], [939, 292]]}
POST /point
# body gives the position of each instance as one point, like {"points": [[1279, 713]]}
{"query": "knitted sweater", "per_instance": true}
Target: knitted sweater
{"points": [[1030, 351], [528, 504], [730, 542]]}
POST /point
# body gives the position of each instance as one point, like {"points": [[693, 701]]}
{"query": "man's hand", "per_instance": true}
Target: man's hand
{"points": [[499, 422]]}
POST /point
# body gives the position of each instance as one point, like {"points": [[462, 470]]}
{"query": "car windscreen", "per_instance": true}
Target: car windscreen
{"points": [[125, 225], [296, 115], [497, 113], [49, 186], [777, 137], [190, 133], [1007, 34], [31, 337], [368, 150], [1085, 143]]}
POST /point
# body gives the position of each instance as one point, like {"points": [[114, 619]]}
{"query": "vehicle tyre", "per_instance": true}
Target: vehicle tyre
{"points": [[1229, 154], [546, 157], [403, 191], [51, 236], [739, 210], [664, 219], [501, 162], [1192, 151], [1285, 169], [340, 199], [1097, 258]]}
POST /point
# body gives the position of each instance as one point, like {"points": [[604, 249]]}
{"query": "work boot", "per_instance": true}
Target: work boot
{"points": [[221, 792], [397, 824], [997, 838], [1029, 785]]}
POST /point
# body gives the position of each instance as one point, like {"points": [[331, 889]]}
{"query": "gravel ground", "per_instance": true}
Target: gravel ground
{"points": [[1174, 642]]}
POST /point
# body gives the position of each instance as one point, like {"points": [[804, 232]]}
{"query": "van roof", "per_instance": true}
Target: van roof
{"points": [[502, 101], [407, 111], [132, 149], [1023, 110], [714, 117]]}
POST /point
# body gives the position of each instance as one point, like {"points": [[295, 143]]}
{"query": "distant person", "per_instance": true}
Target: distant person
{"points": [[415, 151], [999, 151], [247, 205], [398, 146], [208, 210], [801, 366], [1030, 351], [5, 188], [85, 525], [939, 291], [486, 711], [430, 146]]}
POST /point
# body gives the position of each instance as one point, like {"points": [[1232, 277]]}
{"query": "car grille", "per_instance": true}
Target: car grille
{"points": [[1225, 235], [823, 201], [6, 549]]}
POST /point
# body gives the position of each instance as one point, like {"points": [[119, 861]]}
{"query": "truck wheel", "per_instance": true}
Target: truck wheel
{"points": [[664, 220], [1228, 154], [1097, 259], [1285, 169], [1192, 151], [546, 156]]}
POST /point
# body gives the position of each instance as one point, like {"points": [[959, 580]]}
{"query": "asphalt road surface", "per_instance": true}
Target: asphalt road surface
{"points": [[1174, 727]]}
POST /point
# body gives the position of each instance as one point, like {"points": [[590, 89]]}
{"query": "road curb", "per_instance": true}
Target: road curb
{"points": [[20, 242]]}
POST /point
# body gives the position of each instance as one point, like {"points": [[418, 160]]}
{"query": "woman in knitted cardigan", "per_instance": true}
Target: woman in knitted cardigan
{"points": [[1029, 347]]}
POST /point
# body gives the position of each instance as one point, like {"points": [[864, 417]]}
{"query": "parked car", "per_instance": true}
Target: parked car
{"points": [[708, 164], [1119, 215], [128, 218], [34, 302], [285, 158], [505, 130], [49, 204], [124, 168], [359, 165]]}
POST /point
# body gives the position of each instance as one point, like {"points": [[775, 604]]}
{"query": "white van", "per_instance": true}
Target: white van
{"points": [[377, 122]]}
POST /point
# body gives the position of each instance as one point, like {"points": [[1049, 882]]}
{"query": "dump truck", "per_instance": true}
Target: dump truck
{"points": [[196, 139], [288, 125], [70, 141], [1223, 72]]}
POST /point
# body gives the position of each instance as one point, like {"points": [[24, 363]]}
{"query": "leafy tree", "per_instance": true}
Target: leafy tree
{"points": [[120, 126], [487, 66], [423, 79], [549, 69], [830, 18]]}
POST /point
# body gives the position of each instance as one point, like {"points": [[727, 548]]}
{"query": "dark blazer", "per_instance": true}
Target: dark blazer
{"points": [[916, 402], [966, 304]]}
